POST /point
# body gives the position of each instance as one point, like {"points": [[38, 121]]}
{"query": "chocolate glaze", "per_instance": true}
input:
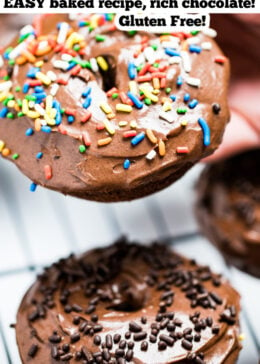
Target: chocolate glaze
{"points": [[99, 174], [165, 308], [228, 209]]}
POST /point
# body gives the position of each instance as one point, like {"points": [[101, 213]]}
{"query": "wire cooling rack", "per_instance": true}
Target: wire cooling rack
{"points": [[39, 228]]}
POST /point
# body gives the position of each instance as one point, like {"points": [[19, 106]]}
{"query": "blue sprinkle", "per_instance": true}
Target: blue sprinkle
{"points": [[193, 103], [71, 65], [71, 119], [173, 97], [86, 92], [29, 132], [6, 55], [138, 138], [39, 155], [33, 187], [186, 97], [87, 102], [127, 163], [81, 24], [32, 72], [4, 112], [179, 81], [131, 71], [135, 100], [172, 52], [26, 88], [46, 129], [194, 48], [206, 131], [58, 118], [39, 95], [38, 89]]}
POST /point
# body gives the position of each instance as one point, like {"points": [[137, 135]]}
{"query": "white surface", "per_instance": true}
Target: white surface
{"points": [[38, 228]]}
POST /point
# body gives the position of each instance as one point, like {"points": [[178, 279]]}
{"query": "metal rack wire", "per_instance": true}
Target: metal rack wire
{"points": [[38, 228]]}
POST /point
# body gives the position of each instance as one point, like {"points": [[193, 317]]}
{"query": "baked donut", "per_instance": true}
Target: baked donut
{"points": [[129, 304], [108, 115], [228, 209]]}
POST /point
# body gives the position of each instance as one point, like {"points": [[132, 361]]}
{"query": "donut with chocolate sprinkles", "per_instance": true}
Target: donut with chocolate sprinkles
{"points": [[126, 295]]}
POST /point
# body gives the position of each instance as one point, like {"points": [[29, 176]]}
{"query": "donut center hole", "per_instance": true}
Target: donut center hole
{"points": [[108, 76]]}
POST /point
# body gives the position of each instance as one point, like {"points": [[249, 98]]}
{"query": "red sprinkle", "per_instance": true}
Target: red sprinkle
{"points": [[112, 91], [163, 82], [62, 129], [33, 83], [61, 81], [100, 126], [86, 138], [75, 70], [47, 171], [153, 69], [86, 117], [159, 75], [144, 78], [125, 99], [144, 69], [70, 51], [58, 48], [220, 59], [129, 133], [70, 112], [182, 150], [52, 43]]}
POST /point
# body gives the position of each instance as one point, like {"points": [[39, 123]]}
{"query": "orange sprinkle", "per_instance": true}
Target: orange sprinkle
{"points": [[151, 136], [47, 171], [156, 83], [37, 124], [42, 52], [6, 152], [29, 56], [20, 60], [162, 150], [104, 141]]}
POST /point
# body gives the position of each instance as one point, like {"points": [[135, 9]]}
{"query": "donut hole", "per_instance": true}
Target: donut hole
{"points": [[109, 76]]}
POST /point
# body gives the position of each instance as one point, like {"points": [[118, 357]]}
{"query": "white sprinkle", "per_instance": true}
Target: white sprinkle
{"points": [[43, 122], [1, 61], [66, 57], [210, 32], [207, 46], [175, 60], [166, 116], [150, 54], [5, 86], [93, 64], [27, 29], [54, 89], [193, 40], [139, 60], [31, 104], [151, 155], [52, 76], [63, 65], [73, 16], [43, 44], [192, 81], [170, 44], [39, 109], [64, 27], [20, 48], [186, 61]]}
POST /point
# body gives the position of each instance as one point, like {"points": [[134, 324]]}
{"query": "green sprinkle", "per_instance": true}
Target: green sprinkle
{"points": [[10, 115], [139, 67], [8, 50], [141, 93], [147, 101], [15, 156], [18, 89], [62, 111], [100, 38], [11, 62], [85, 64], [110, 16], [168, 90], [23, 37], [6, 78], [114, 96], [30, 97], [76, 47], [19, 102], [154, 46], [82, 148], [90, 28], [181, 110], [20, 114], [9, 98], [194, 32], [156, 65], [131, 32]]}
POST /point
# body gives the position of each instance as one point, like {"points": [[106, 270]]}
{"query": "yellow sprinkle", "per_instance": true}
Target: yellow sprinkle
{"points": [[167, 106], [241, 337], [25, 106], [111, 116], [162, 149], [49, 100], [156, 83], [52, 113], [164, 99], [184, 46], [184, 123], [94, 20], [42, 77], [133, 124], [124, 108], [109, 127], [133, 87], [122, 123], [37, 124], [49, 120], [151, 136], [11, 103], [6, 152], [33, 114], [104, 141], [39, 64], [3, 96], [106, 108], [156, 92], [2, 145], [148, 94], [73, 38], [102, 63]]}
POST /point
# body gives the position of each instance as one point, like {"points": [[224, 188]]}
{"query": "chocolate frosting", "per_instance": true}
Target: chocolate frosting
{"points": [[129, 303], [228, 209], [99, 172]]}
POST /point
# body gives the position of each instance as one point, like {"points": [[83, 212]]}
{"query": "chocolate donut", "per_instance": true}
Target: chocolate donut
{"points": [[129, 303], [228, 209], [108, 115]]}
